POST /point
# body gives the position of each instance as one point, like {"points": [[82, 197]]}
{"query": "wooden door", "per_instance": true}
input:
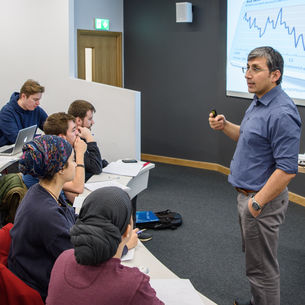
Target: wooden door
{"points": [[106, 56]]}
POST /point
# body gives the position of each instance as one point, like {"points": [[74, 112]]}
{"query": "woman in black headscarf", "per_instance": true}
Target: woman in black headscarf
{"points": [[92, 272]]}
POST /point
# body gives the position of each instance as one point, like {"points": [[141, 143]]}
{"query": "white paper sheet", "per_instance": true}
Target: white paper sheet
{"points": [[176, 291], [125, 169], [78, 202], [128, 256], [96, 185]]}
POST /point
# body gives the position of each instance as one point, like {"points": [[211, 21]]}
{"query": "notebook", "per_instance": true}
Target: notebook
{"points": [[24, 136]]}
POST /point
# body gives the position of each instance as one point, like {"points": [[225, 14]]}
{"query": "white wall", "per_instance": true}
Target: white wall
{"points": [[35, 44]]}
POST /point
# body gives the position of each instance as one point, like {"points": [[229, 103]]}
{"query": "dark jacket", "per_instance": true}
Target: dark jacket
{"points": [[93, 161], [40, 234]]}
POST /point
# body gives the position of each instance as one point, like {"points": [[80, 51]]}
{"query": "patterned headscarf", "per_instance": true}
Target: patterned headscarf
{"points": [[102, 220], [44, 156]]}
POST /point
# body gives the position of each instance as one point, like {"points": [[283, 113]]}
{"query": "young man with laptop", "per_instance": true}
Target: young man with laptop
{"points": [[22, 111]]}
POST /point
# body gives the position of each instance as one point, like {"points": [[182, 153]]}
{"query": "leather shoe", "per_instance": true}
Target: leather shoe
{"points": [[241, 302]]}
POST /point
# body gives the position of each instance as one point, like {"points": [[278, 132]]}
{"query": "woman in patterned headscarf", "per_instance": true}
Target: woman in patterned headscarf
{"points": [[43, 219]]}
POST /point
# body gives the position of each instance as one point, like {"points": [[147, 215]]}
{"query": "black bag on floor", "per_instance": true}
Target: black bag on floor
{"points": [[167, 220]]}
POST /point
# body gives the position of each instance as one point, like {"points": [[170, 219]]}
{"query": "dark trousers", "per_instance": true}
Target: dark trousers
{"points": [[260, 241]]}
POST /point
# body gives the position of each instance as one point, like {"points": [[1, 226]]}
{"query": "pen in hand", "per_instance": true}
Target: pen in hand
{"points": [[141, 231]]}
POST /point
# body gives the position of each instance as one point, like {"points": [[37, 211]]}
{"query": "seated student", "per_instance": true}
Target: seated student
{"points": [[21, 111], [63, 125], [83, 112], [43, 219], [92, 272]]}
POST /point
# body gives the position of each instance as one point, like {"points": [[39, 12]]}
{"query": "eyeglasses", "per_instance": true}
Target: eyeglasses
{"points": [[253, 70]]}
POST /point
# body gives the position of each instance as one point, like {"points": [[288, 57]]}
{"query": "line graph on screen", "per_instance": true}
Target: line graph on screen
{"points": [[276, 23], [291, 30]]}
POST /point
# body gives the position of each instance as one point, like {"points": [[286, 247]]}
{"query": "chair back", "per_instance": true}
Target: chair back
{"points": [[14, 291], [5, 243]]}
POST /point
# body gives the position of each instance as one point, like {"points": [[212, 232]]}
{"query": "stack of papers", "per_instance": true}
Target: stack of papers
{"points": [[124, 169]]}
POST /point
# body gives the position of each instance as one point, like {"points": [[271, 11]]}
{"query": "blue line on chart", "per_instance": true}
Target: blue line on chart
{"points": [[279, 20]]}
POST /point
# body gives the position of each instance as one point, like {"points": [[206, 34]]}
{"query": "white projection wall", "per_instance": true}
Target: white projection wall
{"points": [[276, 23]]}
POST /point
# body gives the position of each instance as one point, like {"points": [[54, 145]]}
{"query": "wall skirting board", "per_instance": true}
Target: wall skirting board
{"points": [[208, 166]]}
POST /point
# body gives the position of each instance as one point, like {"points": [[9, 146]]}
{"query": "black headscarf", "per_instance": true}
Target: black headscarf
{"points": [[102, 220]]}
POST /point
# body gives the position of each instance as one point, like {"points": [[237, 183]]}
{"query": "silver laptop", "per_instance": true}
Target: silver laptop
{"points": [[24, 136]]}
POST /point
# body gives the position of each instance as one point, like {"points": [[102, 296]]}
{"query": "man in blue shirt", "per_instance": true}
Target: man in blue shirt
{"points": [[264, 162], [21, 111]]}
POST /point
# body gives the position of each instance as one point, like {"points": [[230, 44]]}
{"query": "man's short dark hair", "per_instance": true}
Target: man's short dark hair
{"points": [[274, 59], [57, 123], [79, 108]]}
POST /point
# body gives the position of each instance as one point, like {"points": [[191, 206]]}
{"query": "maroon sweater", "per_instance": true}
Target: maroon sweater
{"points": [[108, 283]]}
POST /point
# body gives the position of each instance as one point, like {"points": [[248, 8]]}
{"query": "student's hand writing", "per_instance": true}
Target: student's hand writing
{"points": [[133, 241]]}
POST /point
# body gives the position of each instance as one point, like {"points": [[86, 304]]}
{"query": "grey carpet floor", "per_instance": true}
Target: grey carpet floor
{"points": [[207, 247]]}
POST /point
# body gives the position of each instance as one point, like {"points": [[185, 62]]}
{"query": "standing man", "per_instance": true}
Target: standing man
{"points": [[264, 162], [83, 112], [21, 111]]}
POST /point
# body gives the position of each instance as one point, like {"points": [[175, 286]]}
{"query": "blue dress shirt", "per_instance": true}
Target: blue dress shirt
{"points": [[269, 140]]}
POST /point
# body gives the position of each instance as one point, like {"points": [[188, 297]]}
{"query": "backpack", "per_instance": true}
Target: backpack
{"points": [[167, 220]]}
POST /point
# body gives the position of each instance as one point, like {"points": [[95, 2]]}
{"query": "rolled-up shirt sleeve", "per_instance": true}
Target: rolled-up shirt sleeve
{"points": [[285, 142]]}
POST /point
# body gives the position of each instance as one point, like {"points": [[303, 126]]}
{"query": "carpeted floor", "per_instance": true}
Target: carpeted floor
{"points": [[207, 247]]}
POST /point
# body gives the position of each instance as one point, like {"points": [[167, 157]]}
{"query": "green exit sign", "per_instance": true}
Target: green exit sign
{"points": [[102, 24]]}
